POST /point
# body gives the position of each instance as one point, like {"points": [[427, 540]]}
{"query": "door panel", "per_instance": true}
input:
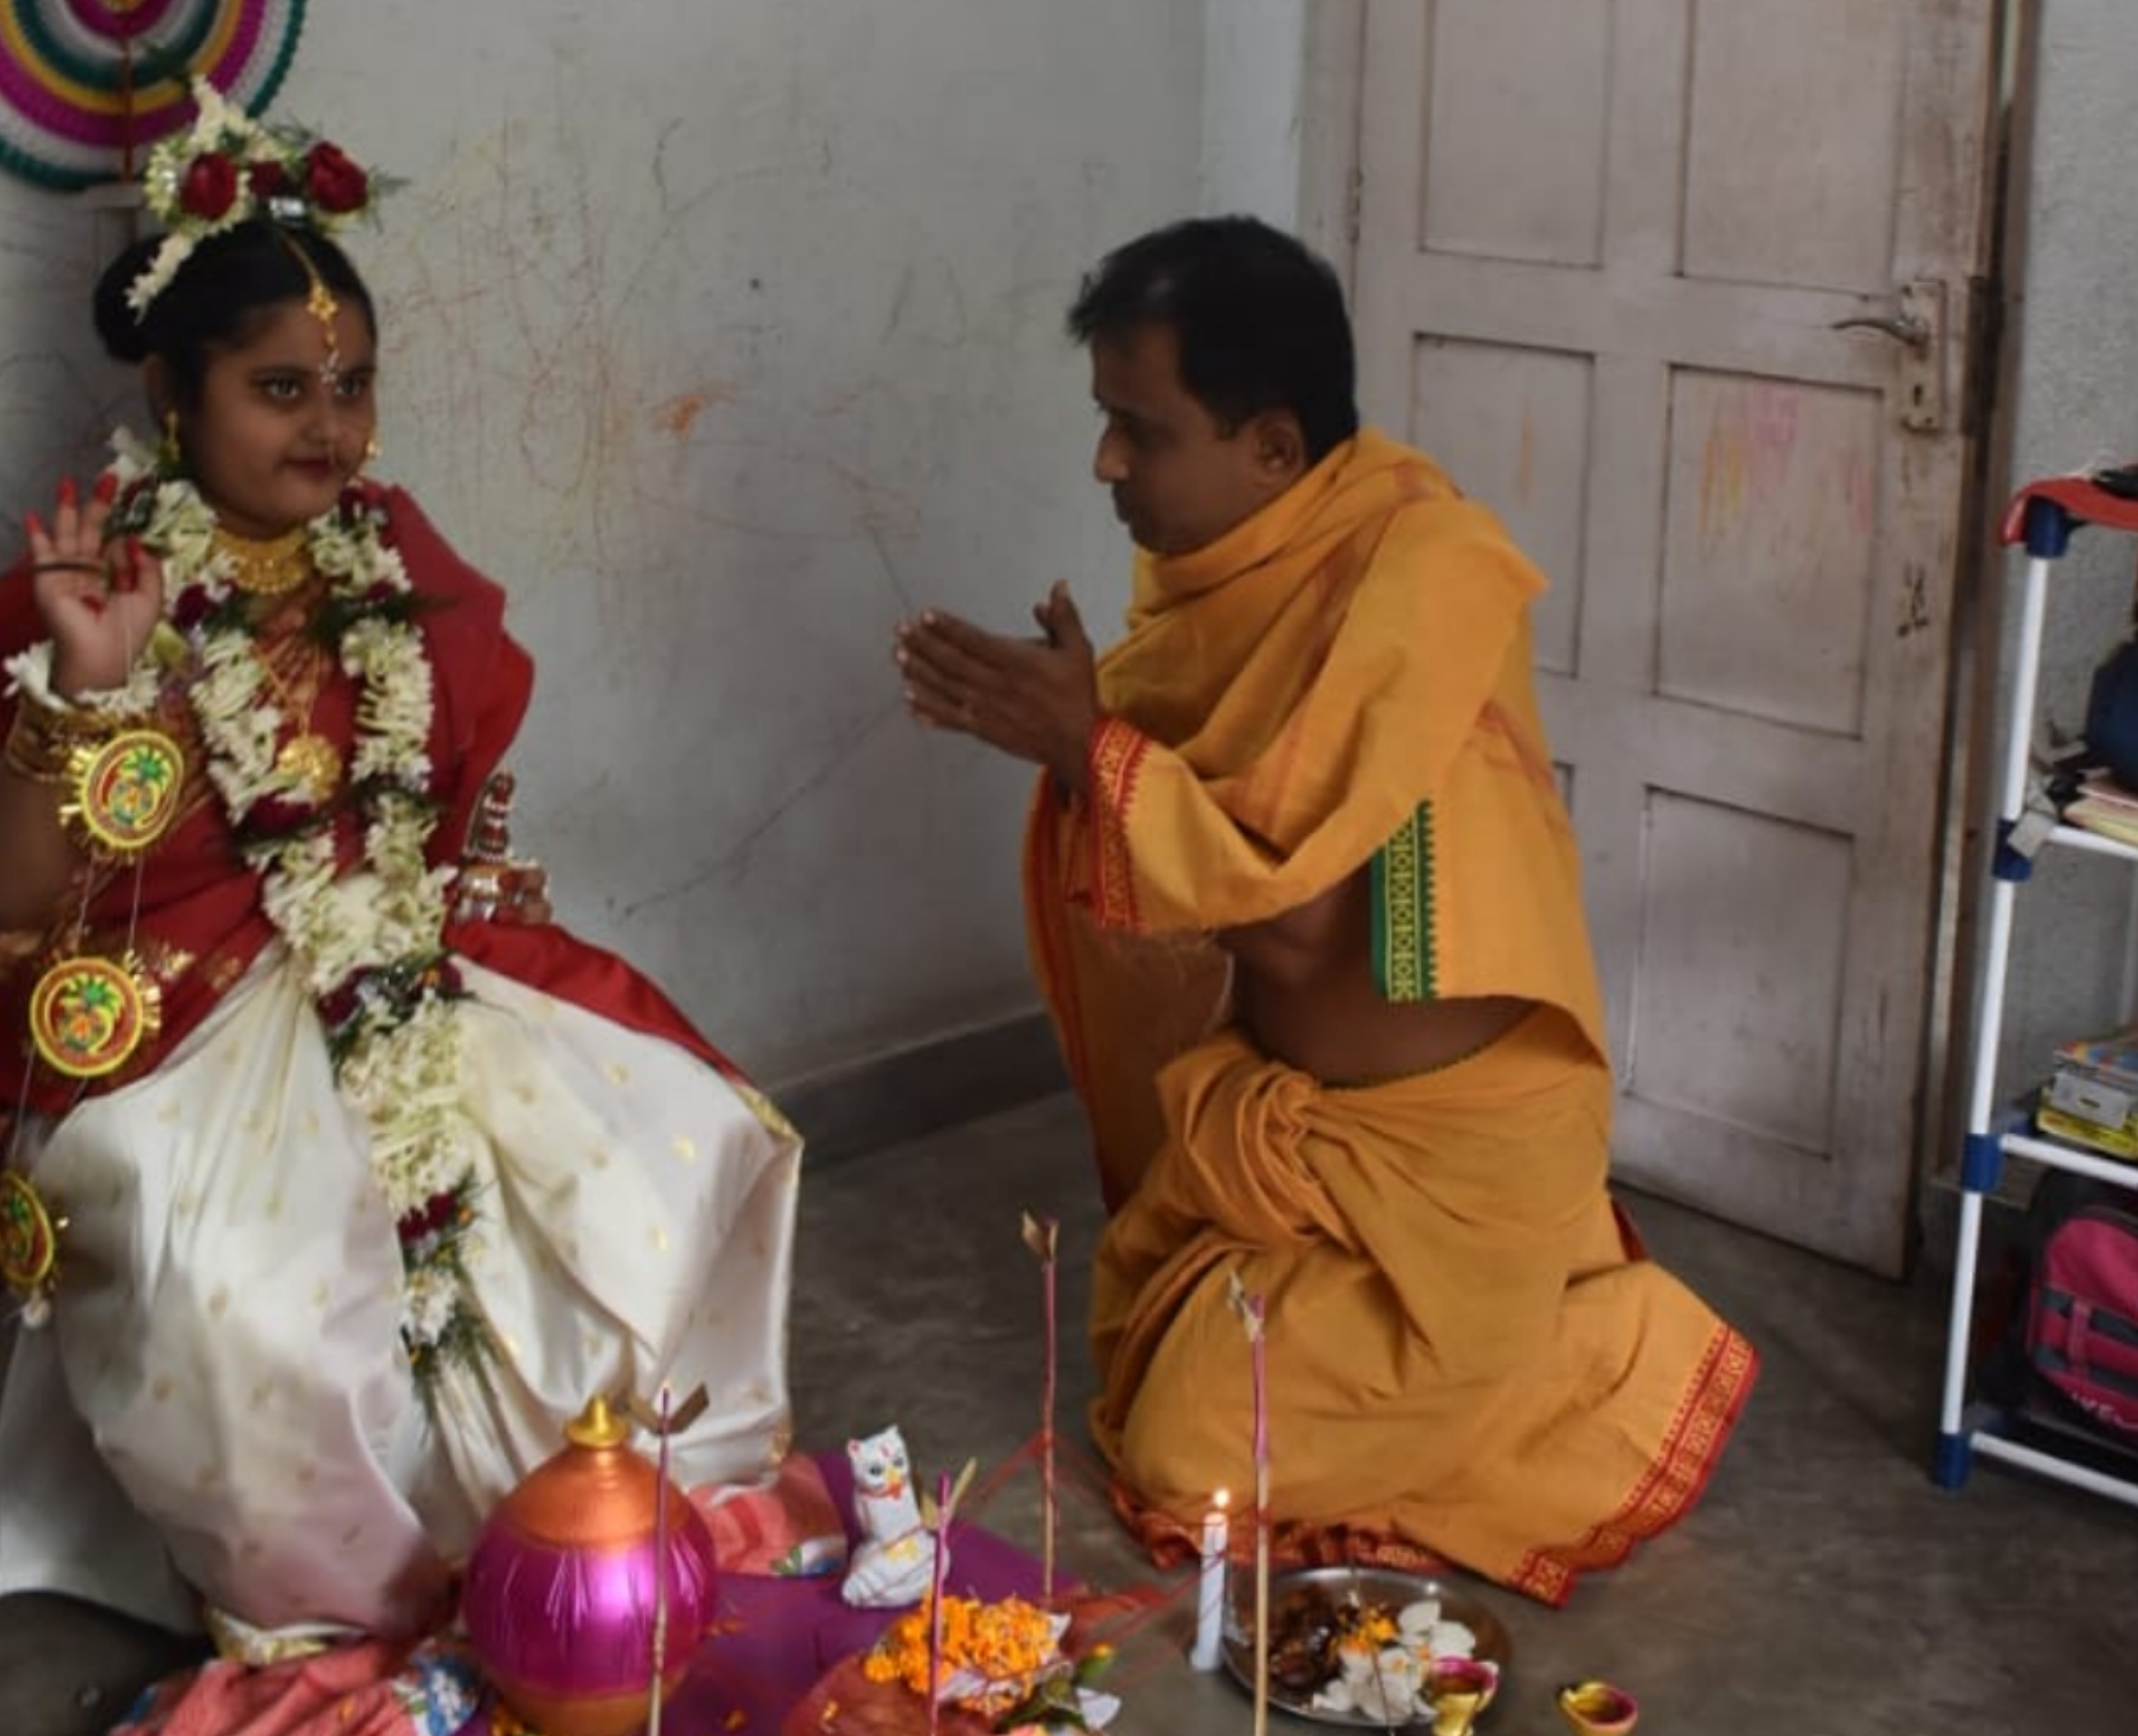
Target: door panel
{"points": [[1602, 253], [1531, 407], [1486, 64], [1793, 141], [1770, 506]]}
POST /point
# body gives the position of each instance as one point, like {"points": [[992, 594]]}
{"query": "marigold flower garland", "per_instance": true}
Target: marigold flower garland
{"points": [[1002, 1660], [368, 938], [1005, 1644]]}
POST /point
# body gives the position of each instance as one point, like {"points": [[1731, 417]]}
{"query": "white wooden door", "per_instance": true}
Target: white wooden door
{"points": [[1602, 250]]}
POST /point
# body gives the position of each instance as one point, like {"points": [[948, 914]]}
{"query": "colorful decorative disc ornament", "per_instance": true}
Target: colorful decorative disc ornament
{"points": [[125, 791], [29, 1244], [86, 86], [89, 1014]]}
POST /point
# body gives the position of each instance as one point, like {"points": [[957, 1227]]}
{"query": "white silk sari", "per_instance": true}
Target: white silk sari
{"points": [[222, 1409]]}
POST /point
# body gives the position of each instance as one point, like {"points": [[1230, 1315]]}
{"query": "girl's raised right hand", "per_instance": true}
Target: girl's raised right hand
{"points": [[98, 600]]}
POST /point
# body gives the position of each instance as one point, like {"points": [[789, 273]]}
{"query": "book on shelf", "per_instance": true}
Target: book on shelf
{"points": [[2090, 1095], [2102, 805], [2111, 1056], [2074, 1130]]}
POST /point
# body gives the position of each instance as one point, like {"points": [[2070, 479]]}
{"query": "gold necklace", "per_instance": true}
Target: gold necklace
{"points": [[307, 759], [270, 569]]}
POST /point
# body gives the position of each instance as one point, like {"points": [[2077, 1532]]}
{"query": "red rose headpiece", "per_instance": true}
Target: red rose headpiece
{"points": [[227, 168]]}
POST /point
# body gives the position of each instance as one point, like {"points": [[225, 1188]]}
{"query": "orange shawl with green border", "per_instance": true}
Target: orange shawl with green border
{"points": [[1343, 679]]}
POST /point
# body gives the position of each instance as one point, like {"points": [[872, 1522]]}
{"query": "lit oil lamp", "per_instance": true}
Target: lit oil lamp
{"points": [[1598, 1709], [1458, 1689]]}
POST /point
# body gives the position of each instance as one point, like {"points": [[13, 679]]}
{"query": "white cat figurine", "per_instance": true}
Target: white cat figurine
{"points": [[894, 1561]]}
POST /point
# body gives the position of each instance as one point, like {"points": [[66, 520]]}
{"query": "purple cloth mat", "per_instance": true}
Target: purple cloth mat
{"points": [[773, 1638]]}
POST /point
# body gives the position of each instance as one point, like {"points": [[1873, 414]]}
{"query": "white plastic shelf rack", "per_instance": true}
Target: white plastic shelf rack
{"points": [[2043, 518]]}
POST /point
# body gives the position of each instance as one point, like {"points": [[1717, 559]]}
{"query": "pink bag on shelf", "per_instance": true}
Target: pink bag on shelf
{"points": [[2082, 1315]]}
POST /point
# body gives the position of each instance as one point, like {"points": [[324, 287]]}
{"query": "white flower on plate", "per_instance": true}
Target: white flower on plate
{"points": [[1386, 1687], [1426, 1631]]}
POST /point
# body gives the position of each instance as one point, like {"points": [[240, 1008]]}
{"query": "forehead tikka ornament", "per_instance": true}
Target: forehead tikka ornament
{"points": [[320, 304], [227, 168]]}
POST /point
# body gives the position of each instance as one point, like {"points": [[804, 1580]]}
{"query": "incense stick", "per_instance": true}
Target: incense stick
{"points": [[1261, 1526], [1041, 1236], [938, 1574], [661, 1571], [1250, 1308]]}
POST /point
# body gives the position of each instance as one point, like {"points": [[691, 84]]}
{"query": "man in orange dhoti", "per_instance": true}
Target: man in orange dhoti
{"points": [[1304, 903]]}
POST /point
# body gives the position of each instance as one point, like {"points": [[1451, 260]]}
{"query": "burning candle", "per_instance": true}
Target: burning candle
{"points": [[1210, 1588]]}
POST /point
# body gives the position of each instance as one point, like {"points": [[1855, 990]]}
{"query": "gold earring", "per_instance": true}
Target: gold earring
{"points": [[167, 455], [370, 449]]}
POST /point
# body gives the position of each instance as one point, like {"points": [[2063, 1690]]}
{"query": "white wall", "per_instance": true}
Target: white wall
{"points": [[1254, 95], [2072, 403], [724, 334], [1280, 115]]}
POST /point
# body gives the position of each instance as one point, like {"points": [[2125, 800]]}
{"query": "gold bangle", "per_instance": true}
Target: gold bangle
{"points": [[35, 753], [43, 740]]}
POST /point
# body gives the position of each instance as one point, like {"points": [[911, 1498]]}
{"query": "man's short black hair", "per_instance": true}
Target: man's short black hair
{"points": [[1259, 318]]}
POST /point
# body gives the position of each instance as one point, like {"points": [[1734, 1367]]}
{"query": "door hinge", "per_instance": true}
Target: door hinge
{"points": [[1354, 204]]}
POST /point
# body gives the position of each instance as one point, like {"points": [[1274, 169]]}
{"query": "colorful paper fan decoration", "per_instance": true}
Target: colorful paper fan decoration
{"points": [[87, 86]]}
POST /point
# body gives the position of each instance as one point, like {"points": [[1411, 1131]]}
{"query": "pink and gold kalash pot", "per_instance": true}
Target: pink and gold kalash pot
{"points": [[565, 1601]]}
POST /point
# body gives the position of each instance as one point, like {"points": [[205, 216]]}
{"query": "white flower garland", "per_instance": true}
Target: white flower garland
{"points": [[368, 938]]}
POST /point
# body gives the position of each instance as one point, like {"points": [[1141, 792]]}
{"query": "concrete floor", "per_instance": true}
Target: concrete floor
{"points": [[1824, 1587]]}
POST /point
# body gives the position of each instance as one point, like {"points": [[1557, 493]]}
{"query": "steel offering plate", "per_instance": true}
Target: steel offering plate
{"points": [[1372, 1585]]}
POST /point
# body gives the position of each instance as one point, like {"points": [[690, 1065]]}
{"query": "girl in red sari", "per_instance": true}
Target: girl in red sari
{"points": [[370, 1175]]}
